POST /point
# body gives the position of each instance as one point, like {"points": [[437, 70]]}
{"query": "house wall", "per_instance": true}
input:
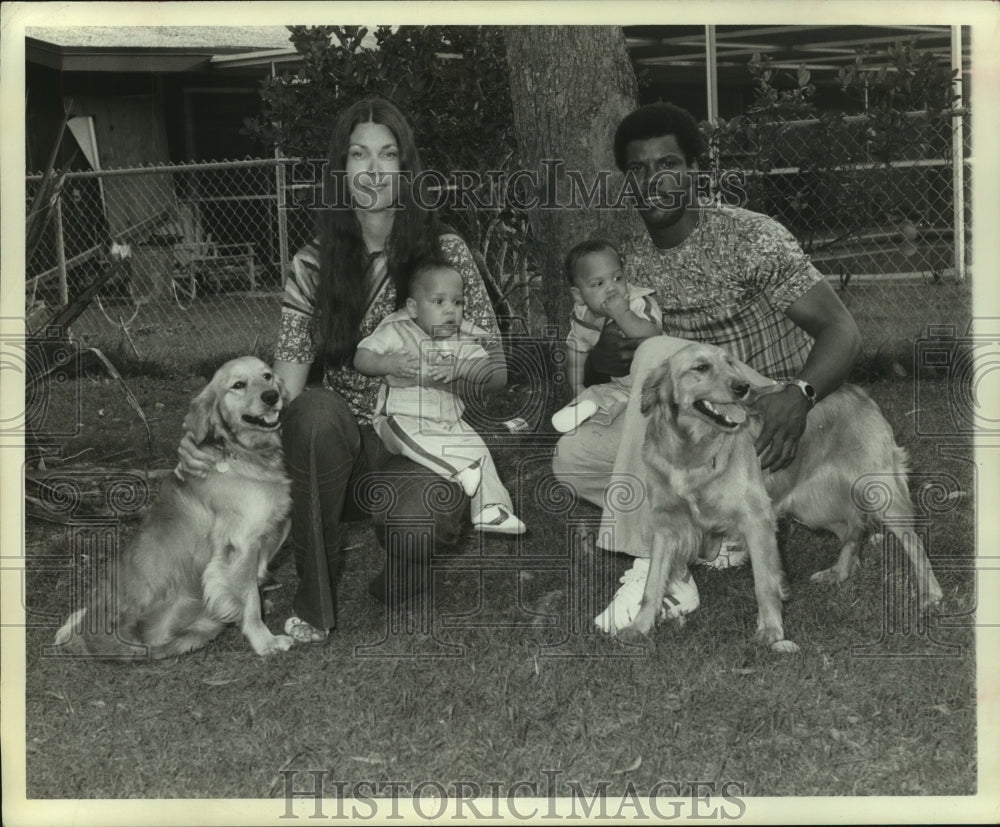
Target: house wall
{"points": [[130, 132], [140, 119]]}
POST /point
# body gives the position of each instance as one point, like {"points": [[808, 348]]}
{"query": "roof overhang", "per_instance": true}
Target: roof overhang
{"points": [[666, 52], [674, 52], [133, 58], [663, 51], [255, 60]]}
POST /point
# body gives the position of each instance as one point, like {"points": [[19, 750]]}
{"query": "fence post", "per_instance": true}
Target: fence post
{"points": [[958, 157], [60, 251], [279, 206], [712, 91], [711, 75]]}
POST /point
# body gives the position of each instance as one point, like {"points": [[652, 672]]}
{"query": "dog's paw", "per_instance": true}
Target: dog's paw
{"points": [[63, 635], [770, 636], [273, 645], [630, 634], [785, 647], [675, 617], [68, 629], [929, 603], [282, 643], [827, 577], [929, 591]]}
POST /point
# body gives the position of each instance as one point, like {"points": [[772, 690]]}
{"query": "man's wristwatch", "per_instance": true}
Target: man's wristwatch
{"points": [[807, 390]]}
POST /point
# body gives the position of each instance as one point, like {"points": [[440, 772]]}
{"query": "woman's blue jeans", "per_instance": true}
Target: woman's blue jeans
{"points": [[340, 472]]}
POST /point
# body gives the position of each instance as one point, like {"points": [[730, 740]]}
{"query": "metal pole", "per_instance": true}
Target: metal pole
{"points": [[61, 251], [280, 204], [712, 92], [958, 158], [97, 165], [711, 75], [281, 207]]}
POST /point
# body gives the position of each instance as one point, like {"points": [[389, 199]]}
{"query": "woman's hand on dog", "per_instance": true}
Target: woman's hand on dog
{"points": [[193, 461], [784, 421]]}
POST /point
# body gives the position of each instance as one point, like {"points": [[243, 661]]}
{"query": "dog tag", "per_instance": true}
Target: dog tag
{"points": [[222, 466]]}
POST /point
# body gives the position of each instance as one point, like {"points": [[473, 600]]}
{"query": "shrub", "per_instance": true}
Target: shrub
{"points": [[452, 82]]}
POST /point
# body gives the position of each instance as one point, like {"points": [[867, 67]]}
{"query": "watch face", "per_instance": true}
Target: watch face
{"points": [[807, 390]]}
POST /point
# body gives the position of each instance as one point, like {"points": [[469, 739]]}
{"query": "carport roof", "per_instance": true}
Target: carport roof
{"points": [[666, 52]]}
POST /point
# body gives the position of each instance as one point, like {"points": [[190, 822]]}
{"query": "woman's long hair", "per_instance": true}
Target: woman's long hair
{"points": [[343, 259]]}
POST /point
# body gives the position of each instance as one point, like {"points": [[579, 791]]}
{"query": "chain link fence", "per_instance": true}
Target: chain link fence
{"points": [[199, 251], [888, 224], [198, 254]]}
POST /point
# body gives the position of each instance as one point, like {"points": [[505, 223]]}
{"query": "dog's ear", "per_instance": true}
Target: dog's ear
{"points": [[657, 387], [201, 415]]}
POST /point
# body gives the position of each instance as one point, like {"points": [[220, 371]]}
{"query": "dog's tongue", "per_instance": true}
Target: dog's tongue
{"points": [[734, 412]]}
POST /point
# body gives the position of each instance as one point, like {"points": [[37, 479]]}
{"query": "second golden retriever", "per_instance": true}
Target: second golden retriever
{"points": [[705, 480], [197, 559]]}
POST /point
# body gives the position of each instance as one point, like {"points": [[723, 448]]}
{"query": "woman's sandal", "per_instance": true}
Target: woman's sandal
{"points": [[302, 632]]}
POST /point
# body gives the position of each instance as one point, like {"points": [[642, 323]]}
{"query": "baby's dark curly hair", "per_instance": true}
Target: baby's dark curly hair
{"points": [[585, 248]]}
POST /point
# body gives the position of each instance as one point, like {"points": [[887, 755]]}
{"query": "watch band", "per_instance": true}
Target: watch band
{"points": [[807, 390]]}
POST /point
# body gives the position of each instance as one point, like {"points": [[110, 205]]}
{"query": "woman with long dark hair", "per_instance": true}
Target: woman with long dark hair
{"points": [[340, 286]]}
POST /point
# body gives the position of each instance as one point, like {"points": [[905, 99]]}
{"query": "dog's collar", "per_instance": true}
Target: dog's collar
{"points": [[222, 466], [223, 463]]}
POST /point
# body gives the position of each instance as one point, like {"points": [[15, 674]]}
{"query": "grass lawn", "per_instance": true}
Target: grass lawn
{"points": [[166, 338], [498, 676], [170, 338]]}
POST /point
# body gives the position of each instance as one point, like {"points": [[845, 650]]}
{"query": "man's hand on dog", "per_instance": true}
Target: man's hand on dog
{"points": [[784, 418], [611, 356]]}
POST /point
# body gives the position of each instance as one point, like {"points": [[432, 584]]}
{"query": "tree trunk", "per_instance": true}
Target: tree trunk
{"points": [[570, 87]]}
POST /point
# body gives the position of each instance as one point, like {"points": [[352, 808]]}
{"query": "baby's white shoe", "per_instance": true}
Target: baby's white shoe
{"points": [[570, 417], [470, 479], [496, 518]]}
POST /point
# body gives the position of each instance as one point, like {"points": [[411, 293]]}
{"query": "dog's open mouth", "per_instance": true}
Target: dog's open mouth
{"points": [[725, 415], [262, 422]]}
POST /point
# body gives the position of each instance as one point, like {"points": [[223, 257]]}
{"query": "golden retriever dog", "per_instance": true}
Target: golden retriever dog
{"points": [[197, 559], [705, 480]]}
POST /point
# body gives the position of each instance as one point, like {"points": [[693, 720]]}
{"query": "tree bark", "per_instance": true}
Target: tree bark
{"points": [[570, 87]]}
